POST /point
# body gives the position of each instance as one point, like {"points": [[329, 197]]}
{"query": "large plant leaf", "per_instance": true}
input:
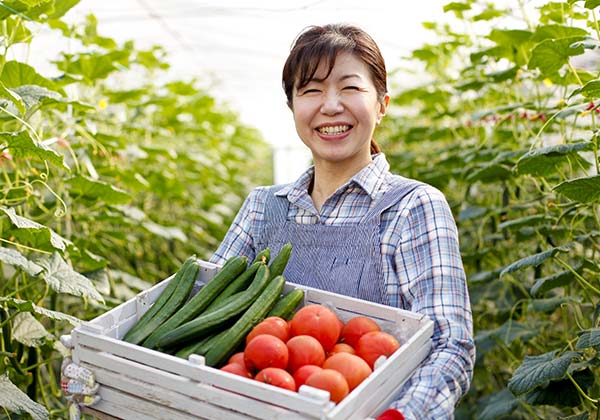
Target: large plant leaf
{"points": [[544, 32], [16, 259], [497, 405], [590, 90], [545, 161], [507, 333], [35, 97], [553, 281], [22, 145], [63, 279], [16, 74], [16, 401], [94, 66], [551, 55], [95, 190], [540, 370], [533, 260], [584, 190], [61, 7], [562, 393], [588, 338], [28, 306], [35, 232], [29, 331]]}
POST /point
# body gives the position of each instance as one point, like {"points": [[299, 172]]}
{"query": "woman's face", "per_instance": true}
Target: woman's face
{"points": [[336, 117]]}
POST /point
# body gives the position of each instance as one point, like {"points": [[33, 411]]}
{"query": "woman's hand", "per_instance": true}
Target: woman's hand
{"points": [[78, 384]]}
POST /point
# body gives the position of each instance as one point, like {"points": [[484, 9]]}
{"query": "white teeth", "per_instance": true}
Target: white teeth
{"points": [[336, 129]]}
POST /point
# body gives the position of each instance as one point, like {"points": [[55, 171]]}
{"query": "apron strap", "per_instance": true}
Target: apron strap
{"points": [[391, 197]]}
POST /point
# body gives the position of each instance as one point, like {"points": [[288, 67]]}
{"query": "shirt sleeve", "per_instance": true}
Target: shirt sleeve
{"points": [[432, 281], [239, 239]]}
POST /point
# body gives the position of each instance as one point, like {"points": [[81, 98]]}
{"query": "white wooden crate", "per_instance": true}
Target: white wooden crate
{"points": [[139, 383]]}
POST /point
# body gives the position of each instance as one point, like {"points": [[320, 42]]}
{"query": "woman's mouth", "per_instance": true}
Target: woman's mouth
{"points": [[333, 130]]}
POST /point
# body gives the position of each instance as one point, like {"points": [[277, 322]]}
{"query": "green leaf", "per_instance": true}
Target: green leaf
{"points": [[97, 190], [16, 74], [14, 97], [61, 7], [22, 145], [588, 338], [28, 306], [28, 9], [63, 279], [506, 334], [550, 304], [29, 331], [534, 220], [588, 43], [457, 7], [533, 260], [590, 90], [562, 393], [16, 259], [35, 97], [35, 229], [491, 172], [545, 284], [544, 32], [16, 401], [19, 32], [497, 405], [591, 4], [551, 55], [546, 160], [540, 370], [584, 190], [94, 66]]}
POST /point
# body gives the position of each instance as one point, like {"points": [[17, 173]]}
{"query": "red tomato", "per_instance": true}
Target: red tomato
{"points": [[237, 369], [318, 321], [272, 325], [354, 368], [303, 373], [374, 344], [341, 348], [332, 381], [237, 358], [304, 350], [277, 377], [265, 351], [356, 327]]}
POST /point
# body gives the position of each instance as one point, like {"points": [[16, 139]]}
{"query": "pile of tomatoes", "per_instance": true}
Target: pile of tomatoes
{"points": [[313, 348]]}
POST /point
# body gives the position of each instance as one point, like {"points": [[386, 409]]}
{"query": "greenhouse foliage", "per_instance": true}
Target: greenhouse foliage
{"points": [[106, 188], [507, 127]]}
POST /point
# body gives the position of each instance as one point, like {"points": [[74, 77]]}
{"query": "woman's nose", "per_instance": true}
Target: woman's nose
{"points": [[332, 104]]}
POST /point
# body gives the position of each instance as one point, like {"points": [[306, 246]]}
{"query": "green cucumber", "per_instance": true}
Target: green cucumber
{"points": [[208, 321], [200, 347], [266, 253], [238, 285], [224, 347], [280, 261], [285, 306], [232, 268], [170, 300]]}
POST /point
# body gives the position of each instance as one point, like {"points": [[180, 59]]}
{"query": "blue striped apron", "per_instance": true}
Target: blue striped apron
{"points": [[344, 259]]}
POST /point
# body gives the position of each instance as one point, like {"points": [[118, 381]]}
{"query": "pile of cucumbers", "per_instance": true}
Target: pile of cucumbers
{"points": [[215, 321]]}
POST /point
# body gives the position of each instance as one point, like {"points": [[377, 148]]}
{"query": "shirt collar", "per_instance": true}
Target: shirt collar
{"points": [[370, 178]]}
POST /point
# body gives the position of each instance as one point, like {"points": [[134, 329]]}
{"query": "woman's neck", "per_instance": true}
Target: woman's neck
{"points": [[328, 178]]}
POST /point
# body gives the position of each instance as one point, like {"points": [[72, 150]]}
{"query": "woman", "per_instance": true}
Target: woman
{"points": [[367, 233]]}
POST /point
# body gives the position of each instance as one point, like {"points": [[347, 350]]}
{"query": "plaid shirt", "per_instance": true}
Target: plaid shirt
{"points": [[422, 268]]}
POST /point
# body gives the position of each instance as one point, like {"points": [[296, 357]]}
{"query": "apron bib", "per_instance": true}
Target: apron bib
{"points": [[344, 259]]}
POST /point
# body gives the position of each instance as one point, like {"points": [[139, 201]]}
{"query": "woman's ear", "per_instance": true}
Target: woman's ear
{"points": [[383, 106]]}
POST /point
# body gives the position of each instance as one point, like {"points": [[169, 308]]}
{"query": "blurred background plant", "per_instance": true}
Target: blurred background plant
{"points": [[506, 125], [108, 185]]}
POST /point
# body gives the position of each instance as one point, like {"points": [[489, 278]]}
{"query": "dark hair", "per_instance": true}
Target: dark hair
{"points": [[318, 43]]}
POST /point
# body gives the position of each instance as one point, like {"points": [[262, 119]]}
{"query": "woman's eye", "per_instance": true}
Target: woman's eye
{"points": [[351, 88], [311, 91]]}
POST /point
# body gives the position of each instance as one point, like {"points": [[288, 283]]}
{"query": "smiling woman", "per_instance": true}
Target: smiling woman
{"points": [[354, 227]]}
